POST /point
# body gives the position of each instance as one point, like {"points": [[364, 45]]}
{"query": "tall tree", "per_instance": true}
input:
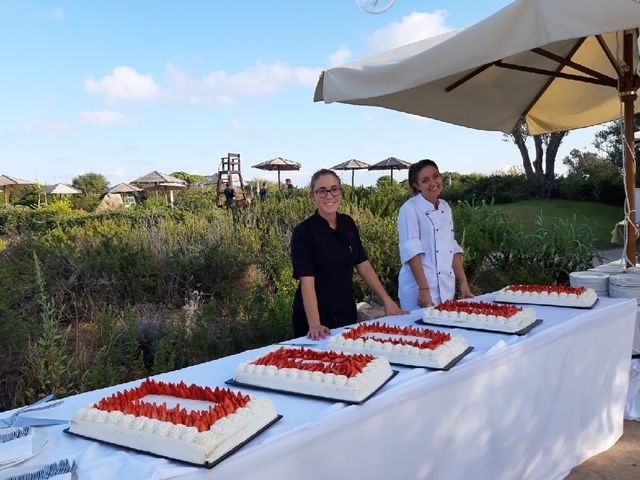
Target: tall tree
{"points": [[90, 183], [540, 173], [610, 140]]}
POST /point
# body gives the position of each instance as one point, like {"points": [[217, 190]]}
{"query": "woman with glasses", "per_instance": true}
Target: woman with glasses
{"points": [[324, 250], [430, 256]]}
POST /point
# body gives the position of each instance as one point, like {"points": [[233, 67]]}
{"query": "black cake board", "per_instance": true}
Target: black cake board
{"points": [[205, 464], [522, 331], [447, 367], [546, 304], [235, 383]]}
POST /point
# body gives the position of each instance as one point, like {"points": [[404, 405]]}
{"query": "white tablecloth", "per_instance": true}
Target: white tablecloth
{"points": [[636, 334], [517, 407]]}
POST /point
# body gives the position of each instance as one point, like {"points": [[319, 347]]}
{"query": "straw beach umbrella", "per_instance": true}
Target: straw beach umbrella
{"points": [[559, 64], [7, 183], [123, 188], [57, 189], [352, 165], [160, 182], [391, 163], [278, 164]]}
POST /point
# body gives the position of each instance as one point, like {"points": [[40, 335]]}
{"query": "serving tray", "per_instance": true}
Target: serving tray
{"points": [[235, 383], [522, 331], [205, 464]]}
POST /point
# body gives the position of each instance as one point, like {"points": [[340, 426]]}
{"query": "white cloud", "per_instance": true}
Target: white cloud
{"points": [[219, 87], [57, 14], [340, 56], [102, 118], [124, 84], [413, 27], [31, 129], [25, 130], [237, 126], [57, 127], [118, 172]]}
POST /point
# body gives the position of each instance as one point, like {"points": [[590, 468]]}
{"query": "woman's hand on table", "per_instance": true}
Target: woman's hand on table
{"points": [[424, 298], [318, 332], [465, 292], [392, 308]]}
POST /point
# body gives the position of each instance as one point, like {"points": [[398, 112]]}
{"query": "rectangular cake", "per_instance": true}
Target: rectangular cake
{"points": [[340, 376], [548, 295], [189, 423], [480, 315], [418, 347]]}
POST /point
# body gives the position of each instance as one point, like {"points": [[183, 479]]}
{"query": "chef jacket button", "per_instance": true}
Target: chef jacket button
{"points": [[437, 251], [436, 229]]}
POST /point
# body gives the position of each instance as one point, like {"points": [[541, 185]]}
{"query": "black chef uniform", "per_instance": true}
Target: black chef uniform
{"points": [[329, 256]]}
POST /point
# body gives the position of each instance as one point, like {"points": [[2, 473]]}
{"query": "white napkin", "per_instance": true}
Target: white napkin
{"points": [[60, 470], [15, 444]]}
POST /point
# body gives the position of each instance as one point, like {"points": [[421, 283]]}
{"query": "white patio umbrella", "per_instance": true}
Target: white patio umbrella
{"points": [[561, 64]]}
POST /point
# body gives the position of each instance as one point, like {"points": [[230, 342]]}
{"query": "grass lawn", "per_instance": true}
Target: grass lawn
{"points": [[602, 218]]}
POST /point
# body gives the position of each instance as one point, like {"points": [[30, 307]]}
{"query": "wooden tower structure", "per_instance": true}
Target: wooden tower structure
{"points": [[230, 171]]}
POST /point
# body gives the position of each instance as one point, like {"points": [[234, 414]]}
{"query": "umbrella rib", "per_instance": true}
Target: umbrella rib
{"points": [[468, 77], [551, 79], [556, 74], [566, 62], [610, 57]]}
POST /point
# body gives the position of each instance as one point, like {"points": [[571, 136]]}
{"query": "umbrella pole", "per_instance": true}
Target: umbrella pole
{"points": [[6, 194], [353, 185], [392, 176], [628, 96], [279, 184]]}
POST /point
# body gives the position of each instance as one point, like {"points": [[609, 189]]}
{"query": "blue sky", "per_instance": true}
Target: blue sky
{"points": [[126, 87]]}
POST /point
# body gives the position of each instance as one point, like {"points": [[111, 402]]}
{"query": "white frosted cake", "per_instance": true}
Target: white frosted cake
{"points": [[546, 295], [480, 315], [418, 347], [335, 375], [189, 423]]}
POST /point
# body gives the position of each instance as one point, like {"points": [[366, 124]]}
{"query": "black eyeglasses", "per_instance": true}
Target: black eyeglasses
{"points": [[323, 192]]}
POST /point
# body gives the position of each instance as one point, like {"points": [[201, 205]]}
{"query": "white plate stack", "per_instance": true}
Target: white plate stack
{"points": [[610, 268], [599, 281], [625, 285]]}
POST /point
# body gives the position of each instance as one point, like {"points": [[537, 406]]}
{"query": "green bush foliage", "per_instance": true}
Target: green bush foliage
{"points": [[115, 296]]}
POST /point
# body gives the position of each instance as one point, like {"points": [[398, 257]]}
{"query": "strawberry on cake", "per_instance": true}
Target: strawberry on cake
{"points": [[480, 315], [189, 423], [546, 295], [328, 374], [418, 347]]}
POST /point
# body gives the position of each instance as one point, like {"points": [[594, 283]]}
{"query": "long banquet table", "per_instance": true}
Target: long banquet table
{"points": [[516, 407]]}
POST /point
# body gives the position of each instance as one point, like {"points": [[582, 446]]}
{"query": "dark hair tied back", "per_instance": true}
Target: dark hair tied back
{"points": [[414, 170], [318, 174]]}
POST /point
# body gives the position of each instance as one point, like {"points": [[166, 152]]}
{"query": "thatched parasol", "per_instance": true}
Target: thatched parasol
{"points": [[123, 188], [391, 163], [57, 189], [7, 183], [278, 164], [352, 165], [160, 182]]}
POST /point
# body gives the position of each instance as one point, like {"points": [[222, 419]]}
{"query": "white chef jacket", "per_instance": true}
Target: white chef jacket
{"points": [[426, 231]]}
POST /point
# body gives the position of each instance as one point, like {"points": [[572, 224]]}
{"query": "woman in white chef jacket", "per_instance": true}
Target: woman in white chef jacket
{"points": [[430, 255]]}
